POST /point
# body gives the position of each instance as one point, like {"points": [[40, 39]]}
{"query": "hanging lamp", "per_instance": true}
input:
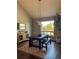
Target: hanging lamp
{"points": [[39, 0]]}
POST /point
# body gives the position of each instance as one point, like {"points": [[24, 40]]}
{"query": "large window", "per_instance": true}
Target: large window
{"points": [[47, 27]]}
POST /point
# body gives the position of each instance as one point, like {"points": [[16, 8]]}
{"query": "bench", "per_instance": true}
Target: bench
{"points": [[45, 43]]}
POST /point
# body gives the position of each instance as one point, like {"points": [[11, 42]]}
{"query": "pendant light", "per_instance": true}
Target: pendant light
{"points": [[39, 13], [39, 0]]}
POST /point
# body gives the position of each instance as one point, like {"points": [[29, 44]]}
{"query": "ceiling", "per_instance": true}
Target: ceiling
{"points": [[44, 8]]}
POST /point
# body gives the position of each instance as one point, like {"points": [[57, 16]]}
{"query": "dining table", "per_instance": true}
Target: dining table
{"points": [[37, 38]]}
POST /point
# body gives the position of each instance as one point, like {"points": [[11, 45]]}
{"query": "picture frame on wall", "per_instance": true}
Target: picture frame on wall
{"points": [[21, 26]]}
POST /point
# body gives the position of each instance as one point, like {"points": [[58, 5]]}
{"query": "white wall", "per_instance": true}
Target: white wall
{"points": [[23, 17]]}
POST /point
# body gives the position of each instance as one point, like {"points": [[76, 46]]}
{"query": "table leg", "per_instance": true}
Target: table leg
{"points": [[39, 44], [30, 42]]}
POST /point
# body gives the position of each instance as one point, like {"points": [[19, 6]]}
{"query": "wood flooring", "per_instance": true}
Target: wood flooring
{"points": [[26, 52]]}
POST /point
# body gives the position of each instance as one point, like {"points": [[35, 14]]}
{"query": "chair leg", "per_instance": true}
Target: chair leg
{"points": [[50, 41], [42, 45], [46, 46]]}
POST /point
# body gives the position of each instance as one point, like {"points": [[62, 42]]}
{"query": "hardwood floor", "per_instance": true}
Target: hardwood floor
{"points": [[26, 52], [23, 55]]}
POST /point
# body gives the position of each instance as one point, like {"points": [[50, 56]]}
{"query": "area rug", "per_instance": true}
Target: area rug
{"points": [[33, 50]]}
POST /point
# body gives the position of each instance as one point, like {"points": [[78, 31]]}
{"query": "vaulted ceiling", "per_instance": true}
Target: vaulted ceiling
{"points": [[44, 8]]}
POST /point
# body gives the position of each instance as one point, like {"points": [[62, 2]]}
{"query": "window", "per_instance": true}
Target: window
{"points": [[22, 26], [47, 27]]}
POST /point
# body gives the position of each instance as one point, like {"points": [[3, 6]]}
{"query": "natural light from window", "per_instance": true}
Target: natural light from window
{"points": [[47, 27]]}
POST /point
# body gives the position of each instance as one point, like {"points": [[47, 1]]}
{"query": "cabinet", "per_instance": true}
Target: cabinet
{"points": [[22, 36]]}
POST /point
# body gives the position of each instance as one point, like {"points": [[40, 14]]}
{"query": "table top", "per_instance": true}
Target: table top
{"points": [[39, 37]]}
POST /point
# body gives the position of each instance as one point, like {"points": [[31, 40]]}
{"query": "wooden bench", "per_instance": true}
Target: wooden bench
{"points": [[45, 43]]}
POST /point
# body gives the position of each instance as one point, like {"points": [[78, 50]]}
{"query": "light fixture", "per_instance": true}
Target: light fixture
{"points": [[40, 12], [39, 0]]}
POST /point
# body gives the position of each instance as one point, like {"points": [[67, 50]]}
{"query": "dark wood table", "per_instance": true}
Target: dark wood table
{"points": [[38, 38]]}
